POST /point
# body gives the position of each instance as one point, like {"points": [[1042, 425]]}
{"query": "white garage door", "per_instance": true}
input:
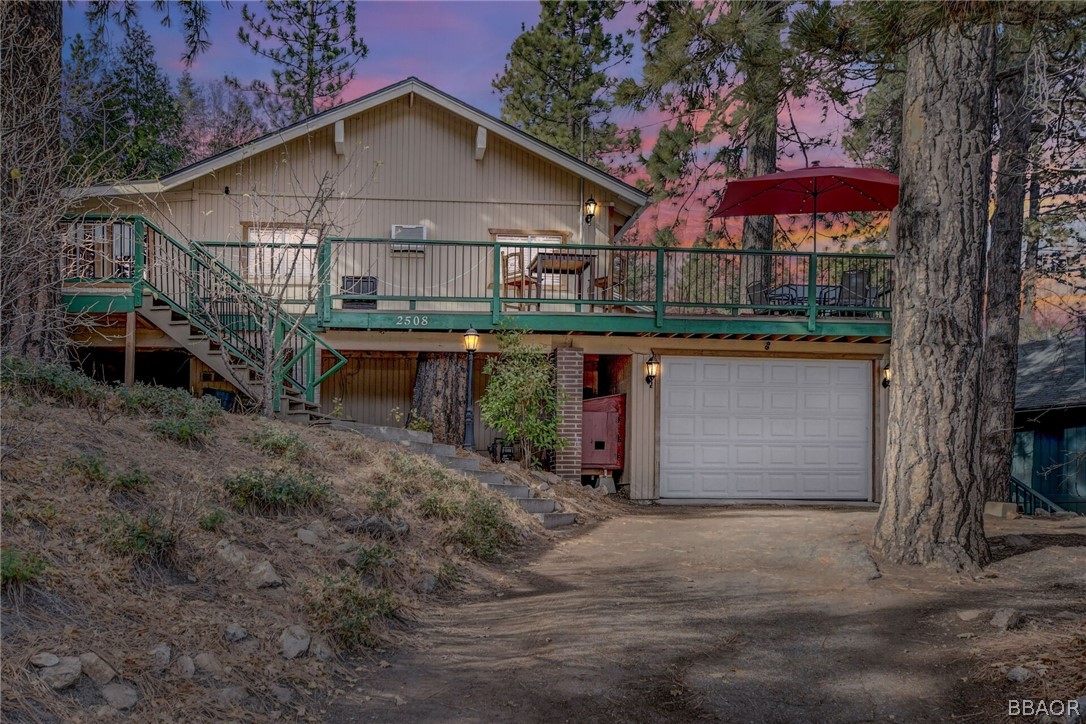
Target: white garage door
{"points": [[760, 428]]}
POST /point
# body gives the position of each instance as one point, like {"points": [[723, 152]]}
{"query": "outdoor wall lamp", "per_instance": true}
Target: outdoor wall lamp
{"points": [[652, 370], [887, 373], [471, 344], [589, 210]]}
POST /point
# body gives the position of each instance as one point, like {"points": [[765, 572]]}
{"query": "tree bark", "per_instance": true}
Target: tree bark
{"points": [[439, 395], [932, 510], [32, 320], [1004, 300]]}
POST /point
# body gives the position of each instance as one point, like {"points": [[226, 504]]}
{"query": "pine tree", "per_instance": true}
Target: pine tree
{"points": [[232, 119], [86, 109], [558, 83], [314, 46]]}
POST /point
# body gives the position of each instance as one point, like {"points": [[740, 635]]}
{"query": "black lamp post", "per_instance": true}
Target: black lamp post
{"points": [[471, 344]]}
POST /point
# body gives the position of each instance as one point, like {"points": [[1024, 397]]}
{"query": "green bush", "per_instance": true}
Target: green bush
{"points": [[145, 540], [374, 559], [57, 380], [350, 611], [91, 467], [383, 501], [18, 568], [168, 402], [418, 423], [134, 479], [213, 519], [435, 505], [277, 491], [190, 430], [485, 528], [280, 443]]}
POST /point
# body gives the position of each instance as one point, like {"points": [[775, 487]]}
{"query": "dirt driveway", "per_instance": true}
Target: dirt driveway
{"points": [[733, 614]]}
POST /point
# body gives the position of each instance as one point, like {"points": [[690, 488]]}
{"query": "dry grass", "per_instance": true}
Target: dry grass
{"points": [[91, 597], [1055, 650]]}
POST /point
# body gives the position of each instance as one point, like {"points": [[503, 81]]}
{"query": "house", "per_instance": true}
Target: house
{"points": [[1050, 420], [385, 228]]}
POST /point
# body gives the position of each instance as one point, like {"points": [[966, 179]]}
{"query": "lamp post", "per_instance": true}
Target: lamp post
{"points": [[471, 344]]}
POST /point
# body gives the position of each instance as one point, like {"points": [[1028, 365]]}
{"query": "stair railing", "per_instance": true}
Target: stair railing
{"points": [[1028, 499], [231, 312]]}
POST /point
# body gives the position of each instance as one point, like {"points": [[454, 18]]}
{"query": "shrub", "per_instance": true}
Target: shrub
{"points": [[134, 479], [89, 466], [18, 568], [374, 559], [168, 402], [146, 540], [280, 443], [485, 529], [382, 501], [213, 520], [57, 380], [277, 491], [435, 505], [349, 611], [418, 423], [189, 430]]}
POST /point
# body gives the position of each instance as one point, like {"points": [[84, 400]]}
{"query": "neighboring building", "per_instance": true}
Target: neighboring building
{"points": [[439, 218], [1050, 420]]}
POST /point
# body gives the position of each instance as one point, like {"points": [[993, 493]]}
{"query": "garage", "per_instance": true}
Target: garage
{"points": [[774, 429]]}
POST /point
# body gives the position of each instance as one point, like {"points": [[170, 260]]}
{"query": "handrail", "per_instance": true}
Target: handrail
{"points": [[287, 329], [1024, 495]]}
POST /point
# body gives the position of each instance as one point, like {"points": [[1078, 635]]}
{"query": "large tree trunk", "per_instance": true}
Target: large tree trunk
{"points": [[439, 394], [1005, 272], [932, 511], [32, 321]]}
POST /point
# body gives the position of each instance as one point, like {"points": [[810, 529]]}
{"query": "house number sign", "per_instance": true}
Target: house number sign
{"points": [[412, 320]]}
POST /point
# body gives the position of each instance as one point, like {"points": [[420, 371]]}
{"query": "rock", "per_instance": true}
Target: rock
{"points": [[1006, 618], [120, 696], [318, 527], [346, 547], [545, 476], [208, 663], [44, 659], [427, 584], [379, 526], [598, 490], [293, 642], [607, 483], [345, 562], [1080, 715], [544, 487], [999, 509], [230, 695], [971, 614], [1019, 674], [281, 693], [62, 674], [160, 657], [236, 632], [94, 667], [319, 649], [107, 713], [185, 667], [1041, 513], [230, 553], [1017, 541], [308, 537], [264, 576]]}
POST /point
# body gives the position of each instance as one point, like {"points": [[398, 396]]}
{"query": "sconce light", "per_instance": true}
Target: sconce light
{"points": [[887, 373], [471, 341], [652, 370], [589, 210]]}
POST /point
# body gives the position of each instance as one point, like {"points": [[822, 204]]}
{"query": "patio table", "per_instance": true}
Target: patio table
{"points": [[796, 294], [561, 262]]}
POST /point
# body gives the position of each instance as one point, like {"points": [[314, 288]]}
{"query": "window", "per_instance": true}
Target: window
{"points": [[275, 250]]}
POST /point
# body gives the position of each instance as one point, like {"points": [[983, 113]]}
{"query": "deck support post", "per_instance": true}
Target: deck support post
{"points": [[130, 349]]}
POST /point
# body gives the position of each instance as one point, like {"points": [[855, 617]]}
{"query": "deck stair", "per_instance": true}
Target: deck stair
{"points": [[422, 443], [228, 324]]}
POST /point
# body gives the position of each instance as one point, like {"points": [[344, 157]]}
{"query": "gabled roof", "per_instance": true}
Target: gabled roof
{"points": [[1051, 374], [410, 85]]}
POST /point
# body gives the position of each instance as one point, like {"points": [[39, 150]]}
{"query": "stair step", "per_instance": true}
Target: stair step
{"points": [[511, 491], [437, 449], [384, 433], [456, 463], [555, 520], [490, 477], [536, 505]]}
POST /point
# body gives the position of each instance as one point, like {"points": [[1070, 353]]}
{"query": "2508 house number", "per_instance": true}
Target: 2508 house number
{"points": [[412, 320]]}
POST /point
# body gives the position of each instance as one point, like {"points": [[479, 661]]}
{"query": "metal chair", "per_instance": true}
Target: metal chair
{"points": [[856, 290]]}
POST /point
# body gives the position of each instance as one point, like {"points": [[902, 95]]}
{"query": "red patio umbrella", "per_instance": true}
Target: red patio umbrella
{"points": [[813, 190]]}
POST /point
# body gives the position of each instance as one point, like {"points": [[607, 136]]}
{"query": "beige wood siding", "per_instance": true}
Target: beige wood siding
{"points": [[371, 388], [640, 470]]}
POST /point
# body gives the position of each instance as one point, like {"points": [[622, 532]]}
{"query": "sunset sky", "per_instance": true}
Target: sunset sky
{"points": [[458, 47]]}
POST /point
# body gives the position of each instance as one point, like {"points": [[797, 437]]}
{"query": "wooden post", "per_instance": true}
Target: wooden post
{"points": [[130, 349]]}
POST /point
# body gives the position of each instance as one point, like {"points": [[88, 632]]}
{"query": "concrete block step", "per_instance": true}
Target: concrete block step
{"points": [[511, 491], [555, 520], [455, 463], [385, 433], [436, 449], [536, 505], [488, 477]]}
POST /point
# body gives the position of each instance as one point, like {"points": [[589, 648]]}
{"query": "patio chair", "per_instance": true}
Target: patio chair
{"points": [[856, 290], [516, 280], [759, 293]]}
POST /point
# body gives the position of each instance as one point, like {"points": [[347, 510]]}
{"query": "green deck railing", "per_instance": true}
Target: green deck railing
{"points": [[246, 321]]}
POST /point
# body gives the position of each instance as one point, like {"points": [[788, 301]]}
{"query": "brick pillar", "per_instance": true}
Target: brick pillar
{"points": [[571, 387]]}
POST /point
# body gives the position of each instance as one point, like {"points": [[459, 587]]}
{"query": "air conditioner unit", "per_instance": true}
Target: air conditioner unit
{"points": [[408, 233]]}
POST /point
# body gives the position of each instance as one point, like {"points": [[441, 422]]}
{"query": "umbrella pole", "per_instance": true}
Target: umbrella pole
{"points": [[814, 223]]}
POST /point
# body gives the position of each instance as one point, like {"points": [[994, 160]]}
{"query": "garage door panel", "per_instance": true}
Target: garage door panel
{"points": [[753, 428]]}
